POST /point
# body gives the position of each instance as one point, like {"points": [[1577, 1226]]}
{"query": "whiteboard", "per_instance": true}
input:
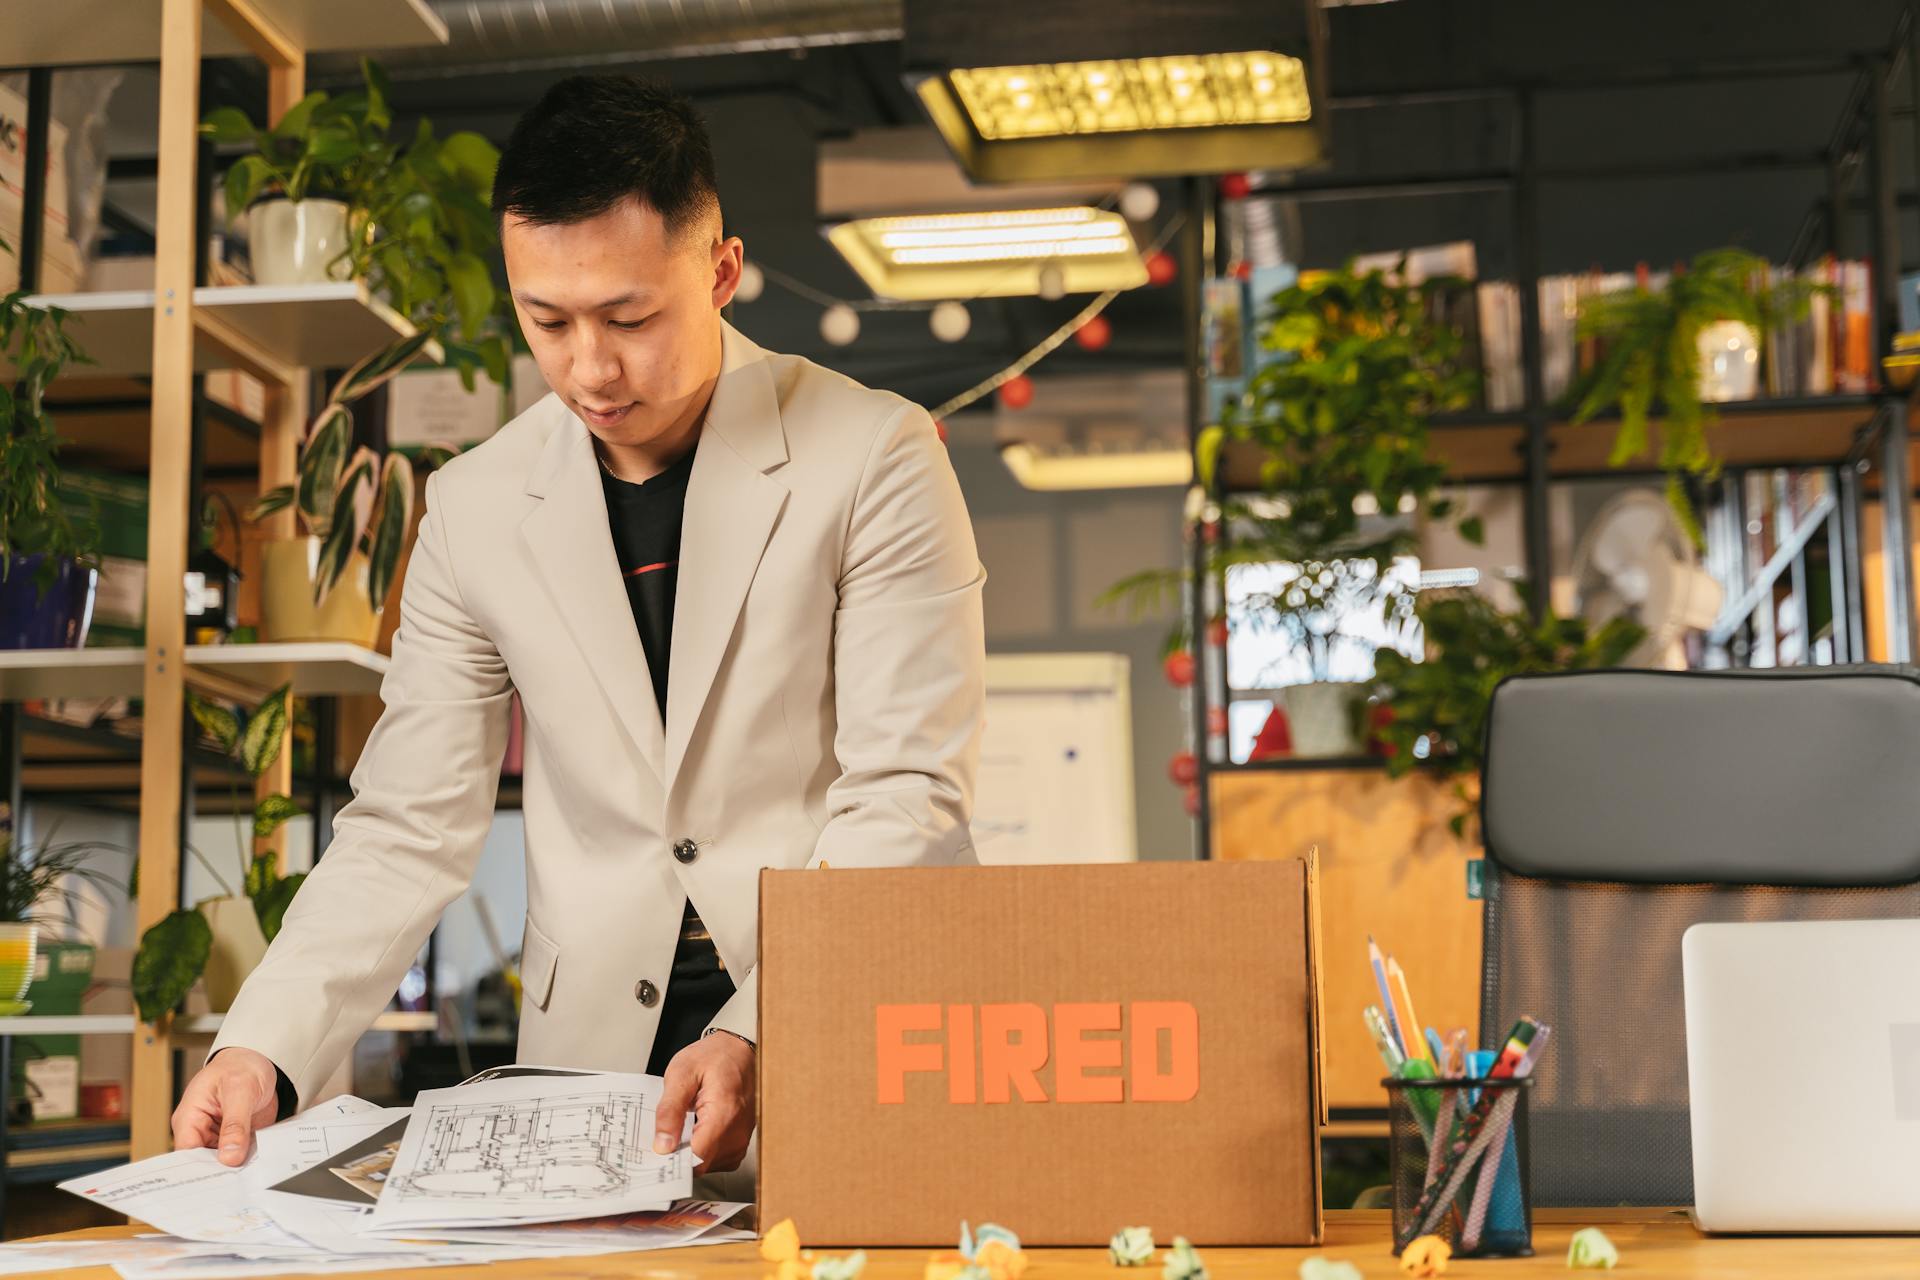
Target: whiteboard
{"points": [[1056, 760]]}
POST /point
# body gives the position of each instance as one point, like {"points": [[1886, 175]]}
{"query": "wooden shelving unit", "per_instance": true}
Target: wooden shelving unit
{"points": [[165, 335], [316, 670]]}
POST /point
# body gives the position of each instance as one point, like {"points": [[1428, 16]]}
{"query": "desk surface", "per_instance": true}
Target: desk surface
{"points": [[1653, 1243]]}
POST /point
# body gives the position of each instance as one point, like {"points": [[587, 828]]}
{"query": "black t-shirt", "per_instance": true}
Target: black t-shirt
{"points": [[645, 521]]}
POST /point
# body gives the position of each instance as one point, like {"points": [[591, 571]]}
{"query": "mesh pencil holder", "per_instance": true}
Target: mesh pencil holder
{"points": [[1457, 1155]]}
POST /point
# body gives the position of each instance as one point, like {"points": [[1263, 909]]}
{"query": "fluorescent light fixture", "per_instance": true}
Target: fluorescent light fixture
{"points": [[1123, 95], [996, 253], [1036, 470], [1086, 88]]}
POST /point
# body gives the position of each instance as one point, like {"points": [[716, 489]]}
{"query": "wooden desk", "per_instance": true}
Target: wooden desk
{"points": [[1653, 1243]]}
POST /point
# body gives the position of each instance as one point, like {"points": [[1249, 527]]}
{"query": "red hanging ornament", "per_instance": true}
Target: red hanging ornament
{"points": [[1216, 720], [1161, 267], [1243, 270], [1179, 668], [1017, 392], [1235, 186], [1192, 801], [1217, 633], [1094, 334], [1183, 768]]}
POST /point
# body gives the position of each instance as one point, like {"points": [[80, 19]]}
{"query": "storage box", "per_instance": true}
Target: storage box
{"points": [[62, 972], [1065, 1050]]}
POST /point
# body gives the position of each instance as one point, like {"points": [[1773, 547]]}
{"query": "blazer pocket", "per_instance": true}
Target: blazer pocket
{"points": [[538, 957]]}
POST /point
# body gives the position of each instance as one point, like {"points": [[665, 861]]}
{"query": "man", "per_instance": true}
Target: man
{"points": [[739, 597]]}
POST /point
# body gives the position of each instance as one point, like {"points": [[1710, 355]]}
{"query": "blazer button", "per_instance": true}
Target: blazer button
{"points": [[686, 850], [646, 993]]}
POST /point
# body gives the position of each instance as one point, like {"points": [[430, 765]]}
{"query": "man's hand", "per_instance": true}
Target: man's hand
{"points": [[230, 1097], [713, 1076]]}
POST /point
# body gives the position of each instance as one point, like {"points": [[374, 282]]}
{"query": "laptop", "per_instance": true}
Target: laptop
{"points": [[1803, 1066]]}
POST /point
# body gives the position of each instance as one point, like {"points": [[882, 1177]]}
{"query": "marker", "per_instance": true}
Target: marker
{"points": [[1386, 996], [1515, 1050], [1438, 1051]]}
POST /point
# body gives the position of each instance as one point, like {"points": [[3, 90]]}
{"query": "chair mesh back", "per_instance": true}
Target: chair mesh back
{"points": [[1622, 807], [1599, 963]]}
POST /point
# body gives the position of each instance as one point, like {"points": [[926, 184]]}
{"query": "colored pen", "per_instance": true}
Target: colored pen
{"points": [[1515, 1048], [1383, 1039], [1438, 1051], [1386, 996], [1410, 1038]]}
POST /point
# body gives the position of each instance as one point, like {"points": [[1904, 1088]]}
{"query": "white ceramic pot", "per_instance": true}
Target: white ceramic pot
{"points": [[1320, 718], [1729, 361], [238, 946], [298, 241]]}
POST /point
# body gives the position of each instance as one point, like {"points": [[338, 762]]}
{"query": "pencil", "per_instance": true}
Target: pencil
{"points": [[1386, 997], [1416, 1044]]}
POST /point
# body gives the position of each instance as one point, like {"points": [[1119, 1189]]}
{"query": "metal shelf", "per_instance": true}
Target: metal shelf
{"points": [[1800, 431], [314, 669], [263, 328], [113, 31]]}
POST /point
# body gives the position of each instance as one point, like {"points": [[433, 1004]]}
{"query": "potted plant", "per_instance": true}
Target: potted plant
{"points": [[331, 582], [329, 196], [30, 879], [1677, 349], [224, 937], [1437, 707], [49, 557], [1337, 428]]}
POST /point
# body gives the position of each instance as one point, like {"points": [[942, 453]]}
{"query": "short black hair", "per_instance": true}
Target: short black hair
{"points": [[592, 142]]}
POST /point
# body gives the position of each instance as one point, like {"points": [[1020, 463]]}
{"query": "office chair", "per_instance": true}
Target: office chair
{"points": [[1620, 807]]}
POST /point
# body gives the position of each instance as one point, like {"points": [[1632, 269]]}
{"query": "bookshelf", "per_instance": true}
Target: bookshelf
{"points": [[165, 336]]}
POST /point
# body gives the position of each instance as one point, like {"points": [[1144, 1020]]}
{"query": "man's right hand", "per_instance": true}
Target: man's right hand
{"points": [[230, 1097]]}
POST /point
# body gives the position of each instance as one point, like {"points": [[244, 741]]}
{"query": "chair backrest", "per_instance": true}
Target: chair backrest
{"points": [[1620, 807]]}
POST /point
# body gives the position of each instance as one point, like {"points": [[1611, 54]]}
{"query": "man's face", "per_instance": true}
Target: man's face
{"points": [[622, 319]]}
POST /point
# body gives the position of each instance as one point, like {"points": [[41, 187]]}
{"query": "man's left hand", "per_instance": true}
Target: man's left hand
{"points": [[714, 1077]]}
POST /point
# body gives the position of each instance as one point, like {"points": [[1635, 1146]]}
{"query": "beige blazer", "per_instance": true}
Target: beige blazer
{"points": [[825, 701]]}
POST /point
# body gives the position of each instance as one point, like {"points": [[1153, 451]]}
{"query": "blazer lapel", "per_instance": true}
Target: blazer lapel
{"points": [[732, 507], [573, 545]]}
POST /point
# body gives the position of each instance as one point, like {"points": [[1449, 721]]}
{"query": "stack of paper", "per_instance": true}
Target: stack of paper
{"points": [[522, 1162]]}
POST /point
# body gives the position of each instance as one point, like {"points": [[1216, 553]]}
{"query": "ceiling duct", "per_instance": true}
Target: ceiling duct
{"points": [[487, 36]]}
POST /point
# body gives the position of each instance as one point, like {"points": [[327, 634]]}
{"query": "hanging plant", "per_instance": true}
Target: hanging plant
{"points": [[1651, 359]]}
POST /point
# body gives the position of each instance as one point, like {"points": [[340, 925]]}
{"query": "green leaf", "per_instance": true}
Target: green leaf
{"points": [[379, 94], [263, 869], [321, 464], [271, 501], [244, 182], [472, 160], [387, 535], [472, 286], [271, 812], [266, 732], [380, 367], [1206, 455], [1474, 530], [220, 723], [172, 956], [227, 126], [344, 535], [271, 906], [294, 123]]}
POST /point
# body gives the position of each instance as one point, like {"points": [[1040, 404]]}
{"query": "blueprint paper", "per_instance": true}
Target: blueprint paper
{"points": [[189, 1194], [690, 1222], [533, 1149], [57, 1255]]}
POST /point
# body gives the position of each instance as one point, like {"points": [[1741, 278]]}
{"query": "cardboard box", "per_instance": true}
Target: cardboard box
{"points": [[1064, 1050]]}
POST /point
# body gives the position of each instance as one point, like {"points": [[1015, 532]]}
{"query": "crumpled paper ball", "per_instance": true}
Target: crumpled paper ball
{"points": [[1328, 1269], [1131, 1247], [1182, 1263], [1426, 1256], [1591, 1250]]}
